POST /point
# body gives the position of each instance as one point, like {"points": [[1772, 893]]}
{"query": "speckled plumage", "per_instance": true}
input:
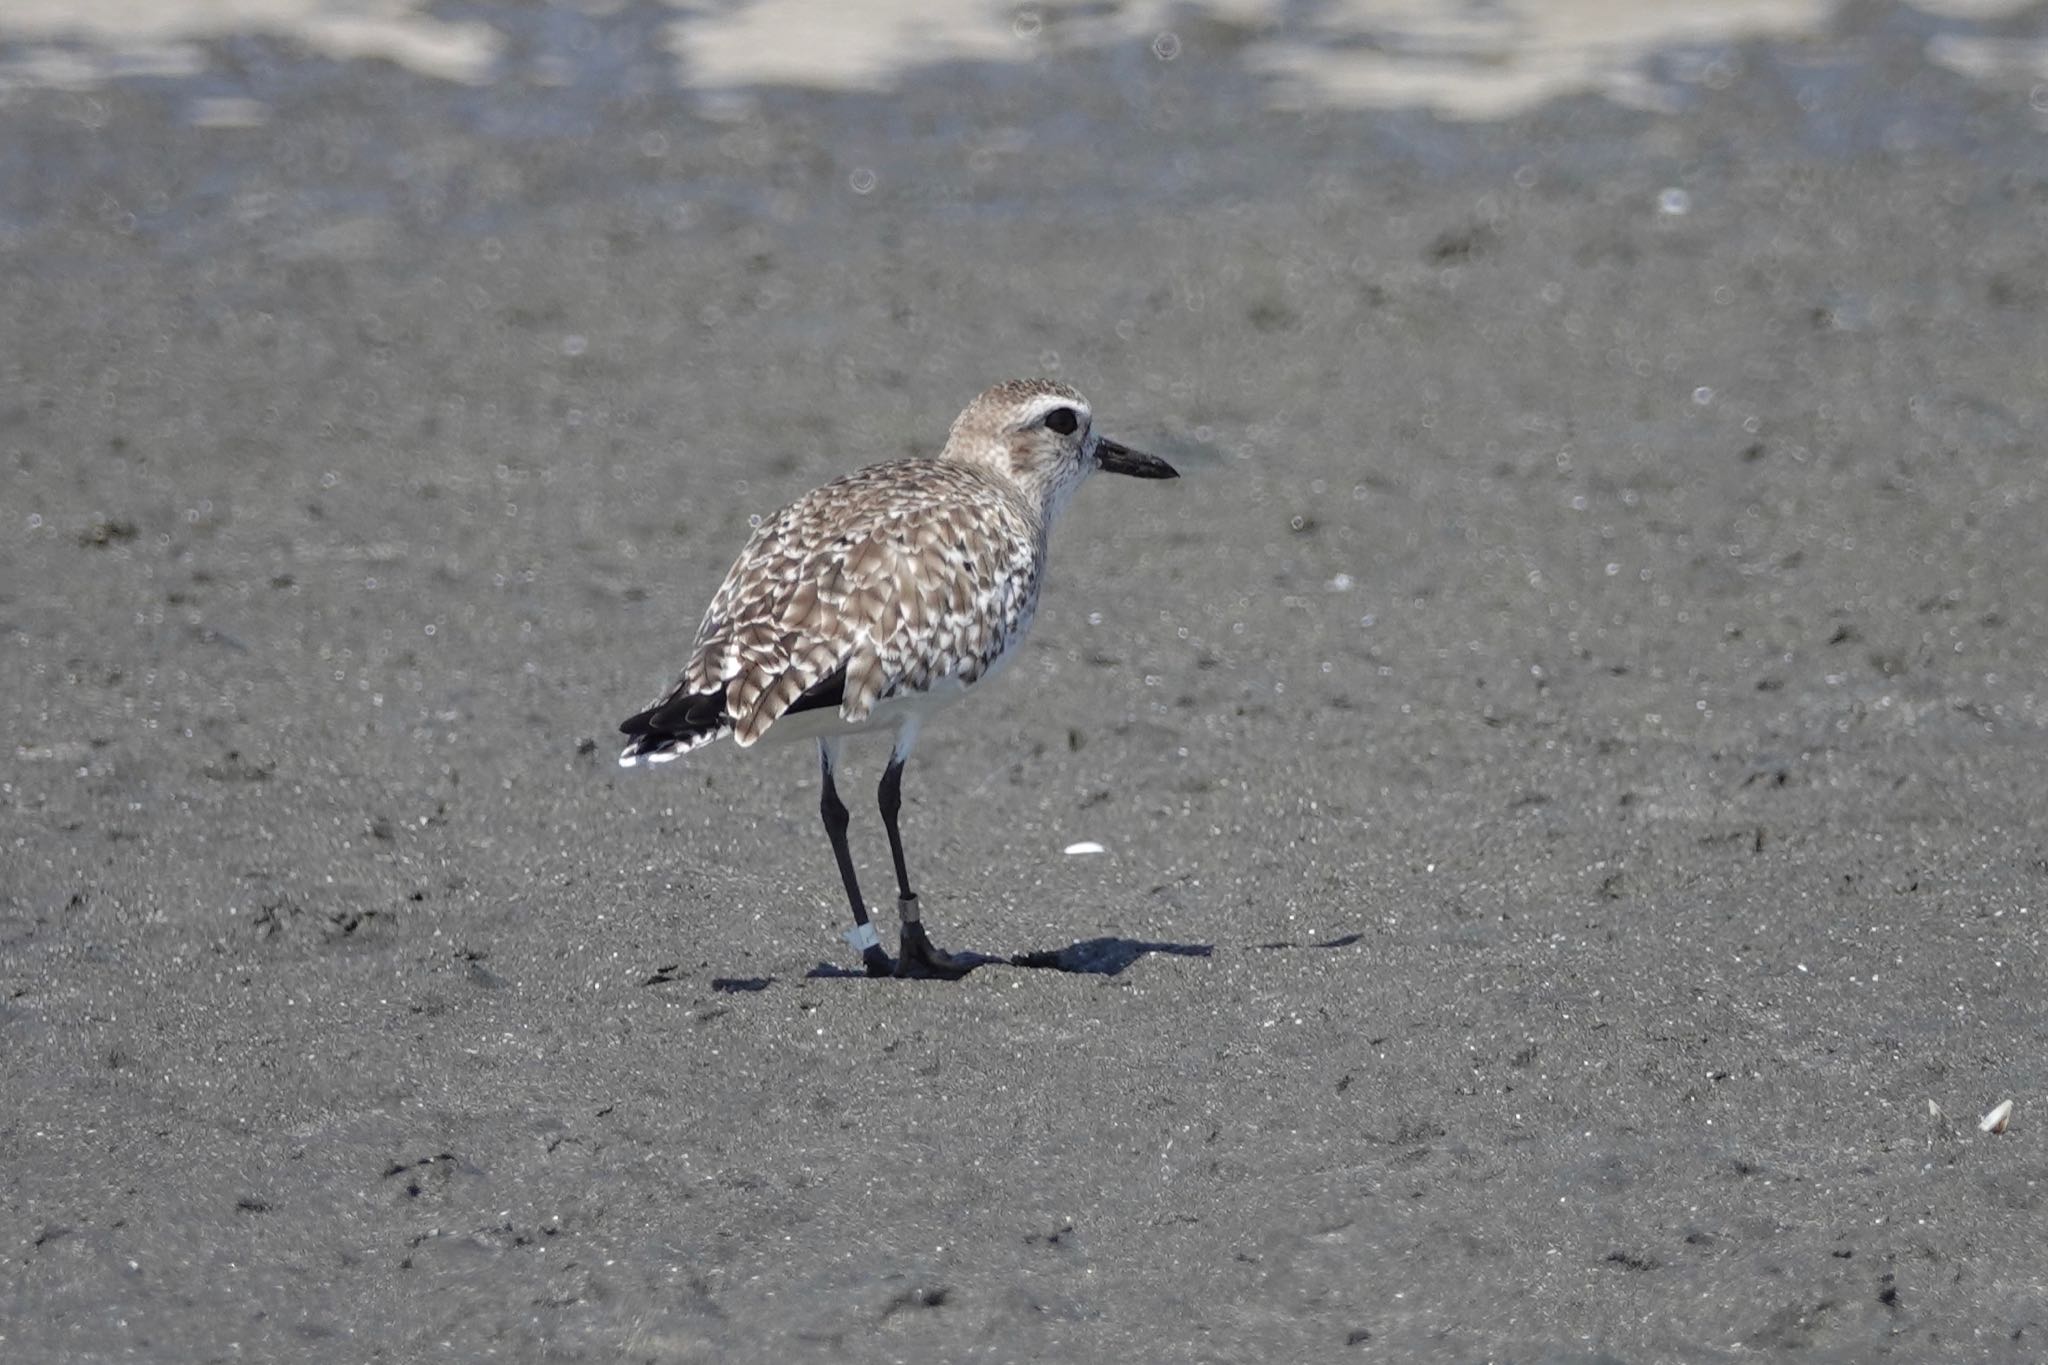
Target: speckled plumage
{"points": [[910, 576], [883, 593], [904, 574]]}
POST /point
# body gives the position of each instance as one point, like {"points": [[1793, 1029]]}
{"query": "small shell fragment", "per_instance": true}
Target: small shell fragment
{"points": [[1995, 1121], [1934, 1111], [1085, 846]]}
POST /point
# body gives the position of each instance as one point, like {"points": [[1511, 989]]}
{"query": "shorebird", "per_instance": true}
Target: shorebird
{"points": [[873, 601]]}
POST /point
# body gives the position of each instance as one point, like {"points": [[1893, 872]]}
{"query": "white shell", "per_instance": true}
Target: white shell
{"points": [[1995, 1121]]}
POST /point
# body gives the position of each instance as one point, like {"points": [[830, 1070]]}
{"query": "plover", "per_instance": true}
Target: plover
{"points": [[871, 602]]}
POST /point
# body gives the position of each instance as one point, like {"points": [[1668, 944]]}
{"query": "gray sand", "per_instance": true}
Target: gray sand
{"points": [[1571, 751]]}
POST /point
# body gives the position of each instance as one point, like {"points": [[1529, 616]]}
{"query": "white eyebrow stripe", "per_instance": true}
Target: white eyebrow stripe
{"points": [[1052, 403]]}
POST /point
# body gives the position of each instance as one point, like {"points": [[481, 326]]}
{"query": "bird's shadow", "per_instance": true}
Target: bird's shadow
{"points": [[1089, 957], [1104, 956]]}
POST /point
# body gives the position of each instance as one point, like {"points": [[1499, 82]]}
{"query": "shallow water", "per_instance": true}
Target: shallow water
{"points": [[1464, 61]]}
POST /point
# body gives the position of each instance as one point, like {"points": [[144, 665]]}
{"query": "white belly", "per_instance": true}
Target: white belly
{"points": [[891, 713]]}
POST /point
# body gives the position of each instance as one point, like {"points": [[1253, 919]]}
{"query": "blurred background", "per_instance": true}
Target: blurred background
{"points": [[1472, 60]]}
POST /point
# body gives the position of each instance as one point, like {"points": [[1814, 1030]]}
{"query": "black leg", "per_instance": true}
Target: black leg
{"points": [[834, 812], [917, 955], [891, 800]]}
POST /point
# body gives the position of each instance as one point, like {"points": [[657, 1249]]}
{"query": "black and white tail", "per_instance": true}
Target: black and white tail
{"points": [[672, 727]]}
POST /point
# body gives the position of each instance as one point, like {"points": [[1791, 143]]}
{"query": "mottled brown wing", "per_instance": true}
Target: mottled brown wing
{"points": [[886, 572], [962, 582]]}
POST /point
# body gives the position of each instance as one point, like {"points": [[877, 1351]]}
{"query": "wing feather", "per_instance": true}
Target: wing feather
{"points": [[896, 574]]}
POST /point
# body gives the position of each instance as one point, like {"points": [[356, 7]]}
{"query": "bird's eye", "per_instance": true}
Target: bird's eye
{"points": [[1063, 420]]}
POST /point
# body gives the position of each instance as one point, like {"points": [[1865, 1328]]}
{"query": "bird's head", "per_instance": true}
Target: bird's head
{"points": [[1040, 434]]}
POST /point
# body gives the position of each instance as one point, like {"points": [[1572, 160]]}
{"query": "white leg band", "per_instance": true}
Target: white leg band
{"points": [[863, 937]]}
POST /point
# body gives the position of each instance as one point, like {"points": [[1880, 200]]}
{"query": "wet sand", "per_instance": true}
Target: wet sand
{"points": [[1570, 751]]}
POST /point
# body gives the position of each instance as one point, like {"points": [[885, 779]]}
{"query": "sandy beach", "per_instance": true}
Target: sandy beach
{"points": [[1570, 753]]}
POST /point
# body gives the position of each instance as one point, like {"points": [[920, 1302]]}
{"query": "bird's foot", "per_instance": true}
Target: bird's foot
{"points": [[863, 936], [919, 958]]}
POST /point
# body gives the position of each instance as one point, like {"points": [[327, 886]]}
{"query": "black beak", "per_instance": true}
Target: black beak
{"points": [[1121, 459]]}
